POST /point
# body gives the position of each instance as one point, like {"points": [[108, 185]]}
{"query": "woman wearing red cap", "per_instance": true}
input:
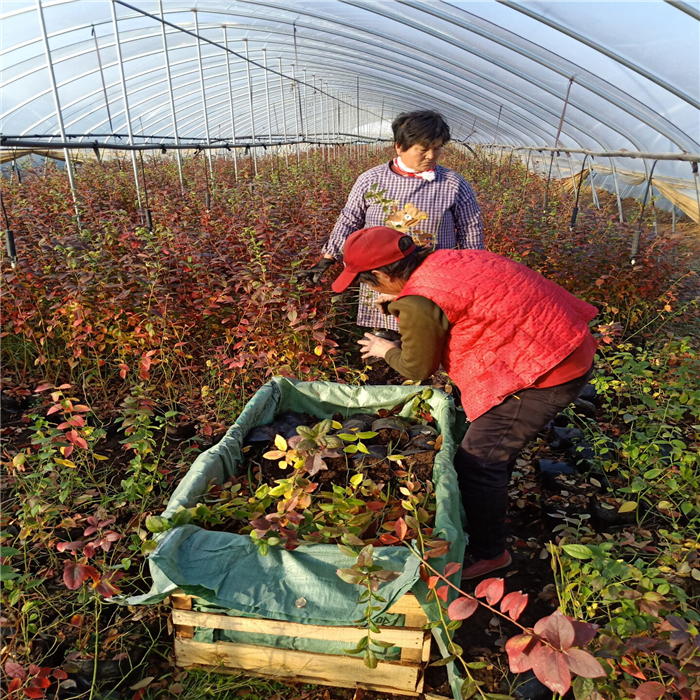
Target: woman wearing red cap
{"points": [[517, 346], [412, 194]]}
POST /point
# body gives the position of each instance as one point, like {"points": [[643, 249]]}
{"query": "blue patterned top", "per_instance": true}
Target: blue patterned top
{"points": [[442, 213]]}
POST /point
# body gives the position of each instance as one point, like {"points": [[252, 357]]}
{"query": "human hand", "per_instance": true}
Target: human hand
{"points": [[374, 346], [383, 301], [315, 274]]}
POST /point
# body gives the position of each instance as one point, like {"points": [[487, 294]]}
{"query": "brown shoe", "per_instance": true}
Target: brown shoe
{"points": [[485, 566]]}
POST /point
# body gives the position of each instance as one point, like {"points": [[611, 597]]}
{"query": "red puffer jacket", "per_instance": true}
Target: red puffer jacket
{"points": [[508, 324]]}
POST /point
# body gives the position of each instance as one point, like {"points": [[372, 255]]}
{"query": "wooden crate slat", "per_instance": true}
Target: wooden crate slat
{"points": [[408, 605], [404, 638], [307, 667]]}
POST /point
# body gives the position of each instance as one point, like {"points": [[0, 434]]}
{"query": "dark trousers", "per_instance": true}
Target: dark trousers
{"points": [[486, 457]]}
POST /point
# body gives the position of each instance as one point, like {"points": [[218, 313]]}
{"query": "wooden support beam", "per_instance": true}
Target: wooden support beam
{"points": [[299, 666]]}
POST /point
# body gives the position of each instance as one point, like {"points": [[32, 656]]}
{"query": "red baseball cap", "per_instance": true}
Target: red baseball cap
{"points": [[368, 249]]}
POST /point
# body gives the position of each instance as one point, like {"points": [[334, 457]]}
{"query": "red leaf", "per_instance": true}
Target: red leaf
{"points": [[433, 581], [388, 538], [43, 387], [583, 632], [44, 672], [520, 649], [442, 593], [70, 546], [628, 666], [14, 670], [81, 442], [401, 528], [451, 568], [651, 690], [59, 674], [491, 589], [34, 669], [559, 631], [73, 575], [514, 604], [551, 670], [106, 586], [462, 608], [40, 682], [35, 693], [54, 409], [582, 663], [15, 683]]}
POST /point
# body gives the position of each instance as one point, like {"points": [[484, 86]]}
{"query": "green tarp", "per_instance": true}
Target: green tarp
{"points": [[228, 573]]}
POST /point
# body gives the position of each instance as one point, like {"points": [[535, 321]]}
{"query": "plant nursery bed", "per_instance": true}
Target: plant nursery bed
{"points": [[404, 676], [260, 546]]}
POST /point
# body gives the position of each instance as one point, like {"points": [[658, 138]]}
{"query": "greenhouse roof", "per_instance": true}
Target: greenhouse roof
{"points": [[499, 71]]}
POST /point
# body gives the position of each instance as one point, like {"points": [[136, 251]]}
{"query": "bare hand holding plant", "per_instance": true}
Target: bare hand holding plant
{"points": [[374, 346]]}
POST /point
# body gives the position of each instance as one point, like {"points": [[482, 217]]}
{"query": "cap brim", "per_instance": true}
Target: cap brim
{"points": [[344, 280]]}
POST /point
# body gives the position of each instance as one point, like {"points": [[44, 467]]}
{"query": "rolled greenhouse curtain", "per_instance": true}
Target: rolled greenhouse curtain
{"points": [[673, 189]]}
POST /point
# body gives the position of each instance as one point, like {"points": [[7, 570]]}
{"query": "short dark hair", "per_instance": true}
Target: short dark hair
{"points": [[424, 127], [401, 269]]}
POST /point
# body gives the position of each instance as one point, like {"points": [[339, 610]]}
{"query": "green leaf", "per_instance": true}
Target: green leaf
{"points": [[370, 659], [497, 696], [350, 449], [347, 551], [368, 435], [8, 551], [347, 437], [356, 480], [443, 662], [578, 551], [157, 523], [7, 573], [478, 664], [627, 507], [181, 516], [469, 689], [383, 645], [361, 646], [652, 473]]}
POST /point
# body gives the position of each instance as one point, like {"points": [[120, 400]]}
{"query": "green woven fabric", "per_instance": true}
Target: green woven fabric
{"points": [[226, 570]]}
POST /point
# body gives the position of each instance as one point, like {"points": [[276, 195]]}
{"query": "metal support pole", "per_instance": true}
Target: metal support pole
{"points": [[313, 78], [697, 188], [617, 189], [573, 177], [593, 192], [306, 116], [358, 115], [172, 99], [102, 76], [297, 107], [126, 101], [230, 99], [57, 103], [284, 113], [204, 97], [267, 102], [250, 102]]}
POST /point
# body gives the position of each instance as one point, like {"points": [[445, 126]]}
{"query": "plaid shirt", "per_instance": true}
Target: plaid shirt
{"points": [[449, 202]]}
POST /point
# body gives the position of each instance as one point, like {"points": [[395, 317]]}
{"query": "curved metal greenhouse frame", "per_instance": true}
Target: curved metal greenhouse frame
{"points": [[254, 72]]}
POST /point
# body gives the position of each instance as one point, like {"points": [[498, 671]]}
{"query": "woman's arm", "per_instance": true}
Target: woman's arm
{"points": [[351, 219], [468, 227], [424, 327]]}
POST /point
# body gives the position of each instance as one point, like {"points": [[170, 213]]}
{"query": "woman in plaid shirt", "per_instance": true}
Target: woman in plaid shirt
{"points": [[412, 194]]}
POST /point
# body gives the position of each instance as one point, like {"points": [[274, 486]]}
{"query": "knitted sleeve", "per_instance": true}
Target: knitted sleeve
{"points": [[423, 326]]}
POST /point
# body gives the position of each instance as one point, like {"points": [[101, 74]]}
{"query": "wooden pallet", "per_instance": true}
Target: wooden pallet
{"points": [[403, 677]]}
